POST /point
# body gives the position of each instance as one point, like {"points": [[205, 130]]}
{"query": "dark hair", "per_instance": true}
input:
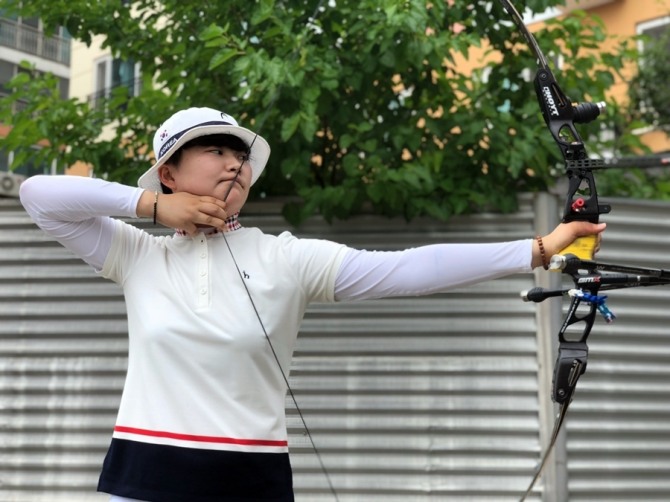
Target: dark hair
{"points": [[221, 140]]}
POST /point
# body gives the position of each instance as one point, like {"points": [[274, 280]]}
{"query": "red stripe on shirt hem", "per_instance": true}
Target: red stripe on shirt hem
{"points": [[203, 439]]}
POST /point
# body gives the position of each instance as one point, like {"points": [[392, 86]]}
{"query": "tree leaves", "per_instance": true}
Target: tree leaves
{"points": [[649, 88], [367, 104]]}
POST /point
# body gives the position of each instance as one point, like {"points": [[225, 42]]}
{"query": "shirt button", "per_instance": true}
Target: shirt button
{"points": [[203, 291]]}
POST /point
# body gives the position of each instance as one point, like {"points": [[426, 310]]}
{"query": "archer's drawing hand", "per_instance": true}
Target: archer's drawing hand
{"points": [[184, 211]]}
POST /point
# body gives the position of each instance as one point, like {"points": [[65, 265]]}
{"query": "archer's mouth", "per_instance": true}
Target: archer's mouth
{"points": [[232, 181]]}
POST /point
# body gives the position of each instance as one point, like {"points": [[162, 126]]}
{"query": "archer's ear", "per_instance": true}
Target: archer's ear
{"points": [[166, 177]]}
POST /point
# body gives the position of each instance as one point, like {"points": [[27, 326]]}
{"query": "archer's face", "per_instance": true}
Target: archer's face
{"points": [[212, 171]]}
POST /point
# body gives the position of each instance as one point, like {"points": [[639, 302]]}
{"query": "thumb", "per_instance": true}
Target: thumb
{"points": [[597, 228], [583, 228]]}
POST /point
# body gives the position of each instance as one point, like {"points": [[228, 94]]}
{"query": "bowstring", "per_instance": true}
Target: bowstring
{"points": [[560, 418], [284, 375]]}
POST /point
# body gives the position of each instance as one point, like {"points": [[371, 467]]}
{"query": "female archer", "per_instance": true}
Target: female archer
{"points": [[202, 413]]}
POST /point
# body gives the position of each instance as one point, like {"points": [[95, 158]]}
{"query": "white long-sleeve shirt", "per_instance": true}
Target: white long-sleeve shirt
{"points": [[203, 386]]}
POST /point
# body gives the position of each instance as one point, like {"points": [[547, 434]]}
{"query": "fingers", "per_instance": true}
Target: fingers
{"points": [[582, 228], [211, 200], [599, 241], [566, 234], [576, 229], [187, 212], [211, 213]]}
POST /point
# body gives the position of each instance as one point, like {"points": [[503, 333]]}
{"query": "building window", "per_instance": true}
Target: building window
{"points": [[28, 168], [110, 74], [123, 74], [4, 161], [7, 72], [654, 29], [648, 90]]}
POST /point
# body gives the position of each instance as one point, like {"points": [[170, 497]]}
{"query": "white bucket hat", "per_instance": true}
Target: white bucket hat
{"points": [[191, 123]]}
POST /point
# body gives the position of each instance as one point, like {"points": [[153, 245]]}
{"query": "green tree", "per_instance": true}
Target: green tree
{"points": [[363, 101], [649, 90]]}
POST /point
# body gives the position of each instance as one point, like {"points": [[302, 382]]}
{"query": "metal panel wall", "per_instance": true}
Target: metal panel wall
{"points": [[430, 398], [62, 363]]}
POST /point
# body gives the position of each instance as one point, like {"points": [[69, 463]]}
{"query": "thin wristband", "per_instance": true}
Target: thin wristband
{"points": [[156, 206], [543, 255]]}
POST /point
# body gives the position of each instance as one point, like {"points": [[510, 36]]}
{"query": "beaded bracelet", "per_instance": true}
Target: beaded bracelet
{"points": [[156, 207], [543, 255]]}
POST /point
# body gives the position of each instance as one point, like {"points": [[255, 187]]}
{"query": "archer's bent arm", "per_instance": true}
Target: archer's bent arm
{"points": [[77, 211]]}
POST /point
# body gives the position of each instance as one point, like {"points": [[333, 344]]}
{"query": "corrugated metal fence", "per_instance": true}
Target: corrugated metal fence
{"points": [[435, 398]]}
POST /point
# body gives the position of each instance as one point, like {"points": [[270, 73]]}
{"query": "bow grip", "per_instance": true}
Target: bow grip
{"points": [[583, 247], [582, 205]]}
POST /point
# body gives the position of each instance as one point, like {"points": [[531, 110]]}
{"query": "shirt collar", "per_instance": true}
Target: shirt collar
{"points": [[231, 224]]}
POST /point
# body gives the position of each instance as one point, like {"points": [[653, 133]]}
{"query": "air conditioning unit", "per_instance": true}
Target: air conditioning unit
{"points": [[9, 184]]}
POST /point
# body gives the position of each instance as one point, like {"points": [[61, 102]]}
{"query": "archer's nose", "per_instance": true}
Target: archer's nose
{"points": [[233, 163]]}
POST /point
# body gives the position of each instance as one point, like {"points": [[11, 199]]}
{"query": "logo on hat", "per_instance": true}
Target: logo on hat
{"points": [[168, 145], [164, 135]]}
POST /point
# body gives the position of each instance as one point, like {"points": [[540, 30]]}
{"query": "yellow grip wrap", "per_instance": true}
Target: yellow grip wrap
{"points": [[583, 247]]}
